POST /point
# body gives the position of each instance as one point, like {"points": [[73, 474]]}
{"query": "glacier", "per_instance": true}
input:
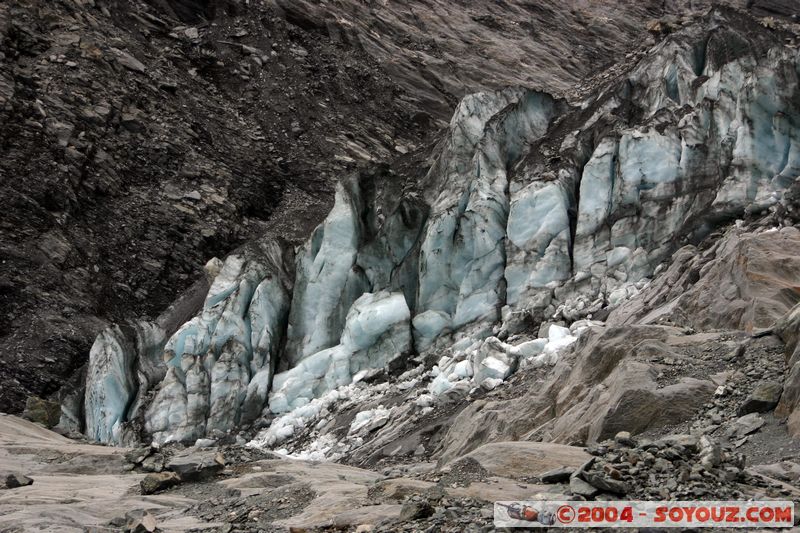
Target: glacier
{"points": [[533, 211]]}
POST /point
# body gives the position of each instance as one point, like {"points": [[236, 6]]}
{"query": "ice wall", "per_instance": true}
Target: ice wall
{"points": [[531, 210]]}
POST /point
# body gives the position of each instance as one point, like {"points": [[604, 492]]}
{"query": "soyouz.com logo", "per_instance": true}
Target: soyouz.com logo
{"points": [[742, 514]]}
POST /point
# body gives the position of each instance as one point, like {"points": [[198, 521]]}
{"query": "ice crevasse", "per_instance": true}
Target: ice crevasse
{"points": [[532, 211]]}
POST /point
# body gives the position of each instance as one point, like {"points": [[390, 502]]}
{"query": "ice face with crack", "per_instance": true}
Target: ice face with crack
{"points": [[377, 331], [122, 359], [462, 257], [328, 280]]}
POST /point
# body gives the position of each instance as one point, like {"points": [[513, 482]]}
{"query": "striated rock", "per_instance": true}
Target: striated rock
{"points": [[595, 391], [741, 282], [525, 459]]}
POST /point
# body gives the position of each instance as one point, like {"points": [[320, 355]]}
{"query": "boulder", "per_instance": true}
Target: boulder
{"points": [[604, 386], [42, 411], [606, 484], [558, 475], [157, 482], [197, 465], [744, 425], [744, 281], [526, 459], [765, 397], [140, 521], [415, 509]]}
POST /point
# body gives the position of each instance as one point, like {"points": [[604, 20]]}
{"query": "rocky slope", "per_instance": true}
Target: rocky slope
{"points": [[532, 211], [143, 138], [571, 294]]}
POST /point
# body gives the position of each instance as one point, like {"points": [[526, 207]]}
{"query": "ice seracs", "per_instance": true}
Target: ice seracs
{"points": [[531, 211], [377, 331]]}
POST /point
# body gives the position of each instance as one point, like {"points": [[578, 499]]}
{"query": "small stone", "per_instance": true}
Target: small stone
{"points": [[14, 481], [624, 438], [415, 510]]}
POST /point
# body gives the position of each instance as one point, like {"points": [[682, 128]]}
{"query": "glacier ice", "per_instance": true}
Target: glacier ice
{"points": [[531, 211], [327, 280], [221, 361], [377, 331]]}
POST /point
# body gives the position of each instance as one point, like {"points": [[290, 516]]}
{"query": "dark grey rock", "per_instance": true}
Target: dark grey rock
{"points": [[559, 475], [14, 481], [415, 510], [765, 397], [606, 484], [195, 465]]}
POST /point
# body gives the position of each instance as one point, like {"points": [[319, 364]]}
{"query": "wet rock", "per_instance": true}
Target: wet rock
{"points": [[14, 481], [764, 397], [157, 482]]}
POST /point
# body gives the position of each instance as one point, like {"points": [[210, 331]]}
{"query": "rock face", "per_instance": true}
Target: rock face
{"points": [[741, 281], [607, 384], [531, 209], [788, 328]]}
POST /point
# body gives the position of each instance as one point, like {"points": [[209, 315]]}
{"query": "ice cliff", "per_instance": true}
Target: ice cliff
{"points": [[532, 210]]}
